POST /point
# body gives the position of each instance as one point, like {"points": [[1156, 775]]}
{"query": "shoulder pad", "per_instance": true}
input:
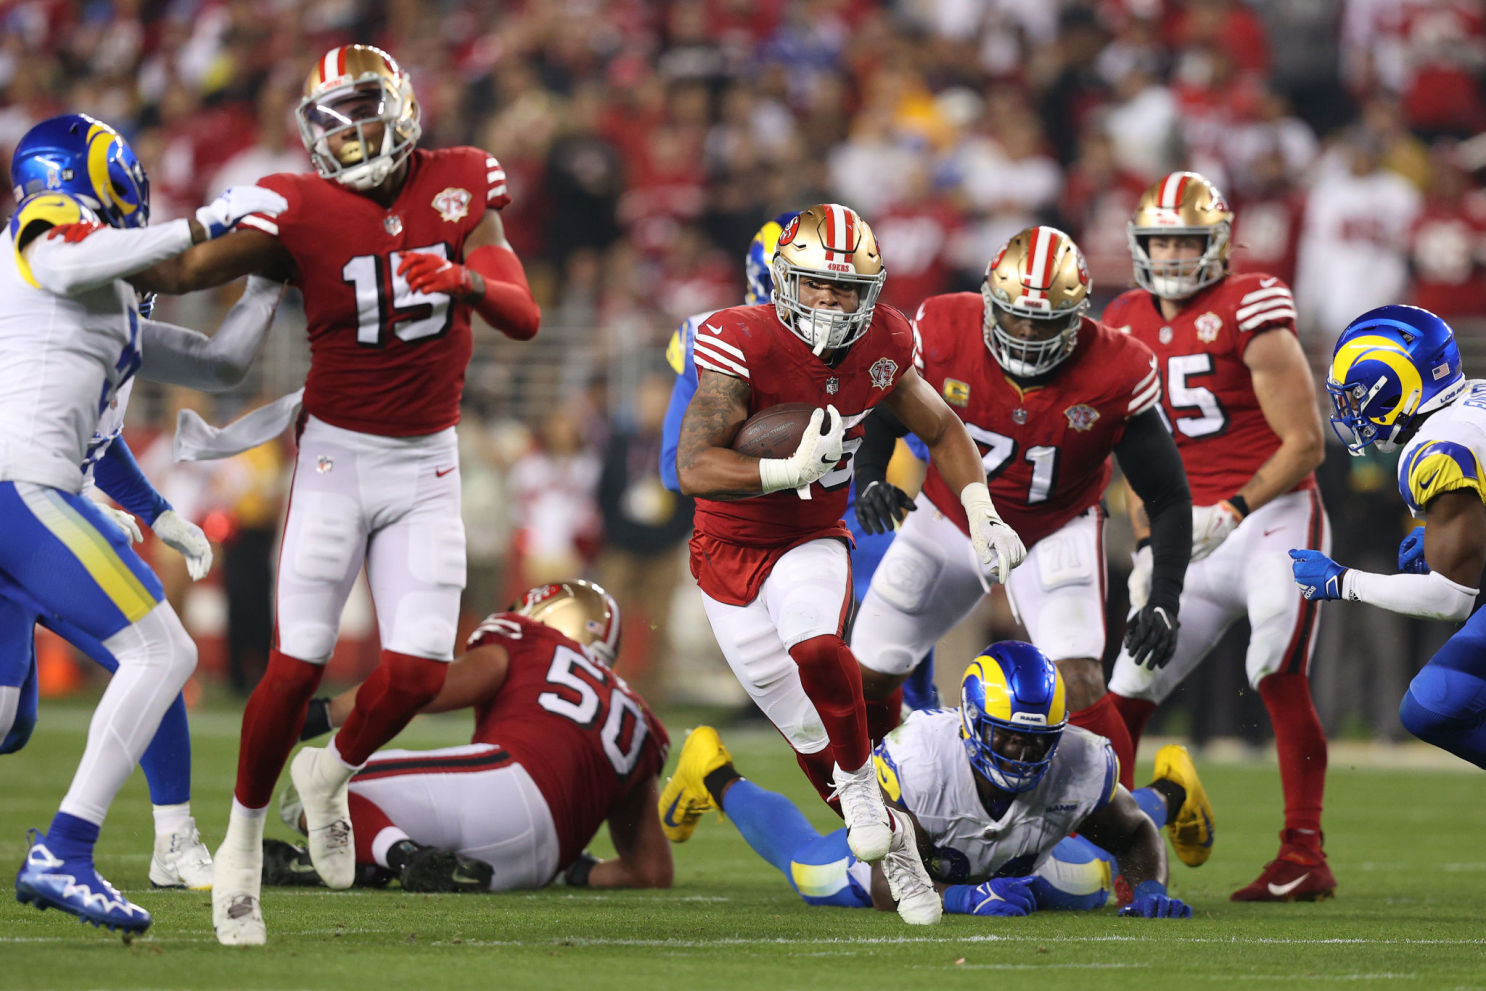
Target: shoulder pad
{"points": [[1436, 467], [52, 209]]}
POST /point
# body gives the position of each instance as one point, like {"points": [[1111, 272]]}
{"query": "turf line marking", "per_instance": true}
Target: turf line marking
{"points": [[1033, 966], [1309, 977]]}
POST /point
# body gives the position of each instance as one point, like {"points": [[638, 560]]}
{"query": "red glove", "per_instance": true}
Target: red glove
{"points": [[73, 233], [427, 273]]}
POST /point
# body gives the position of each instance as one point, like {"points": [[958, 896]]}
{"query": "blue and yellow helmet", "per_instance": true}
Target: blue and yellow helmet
{"points": [[1012, 687], [758, 264], [86, 159], [1390, 365]]}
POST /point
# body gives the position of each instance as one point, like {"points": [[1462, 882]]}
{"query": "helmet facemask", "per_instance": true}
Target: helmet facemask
{"points": [[823, 328], [986, 738], [350, 112], [1026, 358], [1178, 278]]}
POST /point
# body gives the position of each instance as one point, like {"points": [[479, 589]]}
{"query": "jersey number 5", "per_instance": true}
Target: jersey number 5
{"points": [[589, 708], [385, 305], [1211, 418]]}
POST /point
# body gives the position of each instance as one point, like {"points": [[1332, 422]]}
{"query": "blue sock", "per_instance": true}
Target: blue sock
{"points": [[919, 691], [769, 822], [71, 838], [1152, 803], [166, 762]]}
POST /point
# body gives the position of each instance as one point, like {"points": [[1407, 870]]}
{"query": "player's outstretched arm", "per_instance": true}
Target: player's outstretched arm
{"points": [[1287, 397], [919, 408], [216, 263], [1128, 833], [706, 466], [644, 859], [1454, 554], [180, 356]]}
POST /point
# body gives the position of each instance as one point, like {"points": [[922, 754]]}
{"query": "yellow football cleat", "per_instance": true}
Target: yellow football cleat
{"points": [[1192, 831], [685, 797]]}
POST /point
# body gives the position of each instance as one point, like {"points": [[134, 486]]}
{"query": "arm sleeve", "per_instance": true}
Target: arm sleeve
{"points": [[507, 303], [1153, 465], [118, 475], [103, 256], [882, 432], [178, 356], [1431, 596]]}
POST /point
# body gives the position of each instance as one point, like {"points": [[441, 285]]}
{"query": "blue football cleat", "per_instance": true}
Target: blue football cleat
{"points": [[75, 887]]}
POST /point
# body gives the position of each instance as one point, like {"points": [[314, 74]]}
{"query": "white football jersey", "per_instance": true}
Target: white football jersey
{"points": [[1447, 452], [923, 764], [110, 426], [63, 359]]}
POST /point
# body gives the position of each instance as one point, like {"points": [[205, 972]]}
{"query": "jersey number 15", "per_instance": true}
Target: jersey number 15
{"points": [[386, 306]]}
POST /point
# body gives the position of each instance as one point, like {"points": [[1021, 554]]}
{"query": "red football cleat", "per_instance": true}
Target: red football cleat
{"points": [[1298, 874]]}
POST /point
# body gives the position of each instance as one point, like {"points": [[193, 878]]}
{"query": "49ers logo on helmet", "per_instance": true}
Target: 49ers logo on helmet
{"points": [[540, 594], [787, 236]]}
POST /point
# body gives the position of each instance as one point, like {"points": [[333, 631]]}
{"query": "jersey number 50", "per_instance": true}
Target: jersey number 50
{"points": [[386, 306], [590, 708]]}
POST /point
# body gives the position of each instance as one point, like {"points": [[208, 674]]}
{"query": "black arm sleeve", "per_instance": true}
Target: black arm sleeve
{"points": [[1153, 466], [883, 430]]}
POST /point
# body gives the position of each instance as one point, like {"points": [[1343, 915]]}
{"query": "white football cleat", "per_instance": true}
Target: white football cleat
{"points": [[237, 913], [321, 781], [869, 831], [919, 903], [181, 860]]}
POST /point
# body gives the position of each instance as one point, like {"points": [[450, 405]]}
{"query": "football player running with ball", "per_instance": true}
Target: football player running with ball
{"points": [[992, 789], [1239, 394], [1396, 384], [769, 549], [394, 247], [1048, 393]]}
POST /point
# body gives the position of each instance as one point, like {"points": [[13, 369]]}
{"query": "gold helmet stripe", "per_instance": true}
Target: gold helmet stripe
{"points": [[840, 232], [1173, 188], [1039, 278]]}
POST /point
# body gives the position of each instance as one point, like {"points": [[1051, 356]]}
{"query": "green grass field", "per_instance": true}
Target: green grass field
{"points": [[1406, 846]]}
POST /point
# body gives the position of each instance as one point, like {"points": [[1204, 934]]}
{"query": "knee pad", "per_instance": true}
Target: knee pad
{"points": [[312, 643], [423, 624], [810, 611], [326, 537], [906, 578], [1135, 681]]}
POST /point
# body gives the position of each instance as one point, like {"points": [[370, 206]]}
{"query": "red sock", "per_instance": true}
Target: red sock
{"points": [[1302, 751], [833, 681], [386, 702], [1104, 719], [367, 822], [271, 724], [820, 767], [884, 715], [1136, 713]]}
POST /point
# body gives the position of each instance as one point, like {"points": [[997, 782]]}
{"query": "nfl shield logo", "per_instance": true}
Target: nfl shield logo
{"points": [[1165, 335], [882, 372], [453, 204], [324, 464], [1208, 326], [832, 384], [392, 224], [1081, 417], [1019, 416]]}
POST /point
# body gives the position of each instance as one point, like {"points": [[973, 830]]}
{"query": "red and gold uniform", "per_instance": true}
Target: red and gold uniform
{"points": [[561, 744]]}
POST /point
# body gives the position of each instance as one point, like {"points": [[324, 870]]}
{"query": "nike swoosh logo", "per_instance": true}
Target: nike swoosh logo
{"points": [[715, 330], [460, 877], [441, 474], [1281, 890], [299, 867], [1276, 529], [670, 817], [1266, 283]]}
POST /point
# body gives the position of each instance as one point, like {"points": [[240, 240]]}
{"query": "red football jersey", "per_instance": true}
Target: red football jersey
{"points": [[384, 359], [1046, 448], [1208, 394], [750, 343], [582, 734]]}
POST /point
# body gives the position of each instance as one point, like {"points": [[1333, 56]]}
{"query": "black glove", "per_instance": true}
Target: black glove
{"points": [[576, 876], [881, 506], [317, 720], [1150, 636]]}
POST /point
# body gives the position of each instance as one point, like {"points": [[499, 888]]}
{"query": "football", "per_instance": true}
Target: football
{"points": [[774, 432]]}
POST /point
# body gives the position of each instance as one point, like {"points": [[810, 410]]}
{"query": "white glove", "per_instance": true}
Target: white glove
{"points": [[186, 537], [222, 214], [819, 450], [997, 544], [1140, 578], [124, 521], [1211, 525]]}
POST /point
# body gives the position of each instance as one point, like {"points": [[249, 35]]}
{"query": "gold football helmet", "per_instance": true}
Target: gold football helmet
{"points": [[828, 242], [1038, 275], [579, 610], [351, 87], [1181, 203]]}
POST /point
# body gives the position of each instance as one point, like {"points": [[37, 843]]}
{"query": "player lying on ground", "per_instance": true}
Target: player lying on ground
{"points": [[990, 815], [70, 341], [1396, 383], [395, 247], [1049, 394], [769, 549], [561, 745], [1240, 398]]}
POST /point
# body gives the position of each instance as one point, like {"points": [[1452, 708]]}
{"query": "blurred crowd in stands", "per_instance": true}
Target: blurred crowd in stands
{"points": [[645, 142]]}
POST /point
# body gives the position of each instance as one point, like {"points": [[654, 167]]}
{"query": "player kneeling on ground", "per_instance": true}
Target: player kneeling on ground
{"points": [[993, 789], [561, 744]]}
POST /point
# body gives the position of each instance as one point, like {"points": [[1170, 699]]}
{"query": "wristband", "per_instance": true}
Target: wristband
{"points": [[576, 876], [1151, 887], [1239, 503], [1142, 544], [776, 474]]}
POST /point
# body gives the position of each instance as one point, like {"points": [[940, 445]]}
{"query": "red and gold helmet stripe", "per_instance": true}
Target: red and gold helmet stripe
{"points": [[348, 63], [839, 232]]}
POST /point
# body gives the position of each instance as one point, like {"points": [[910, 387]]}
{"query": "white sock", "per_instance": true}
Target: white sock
{"points": [[171, 818], [335, 752], [155, 657], [245, 829], [389, 837]]}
